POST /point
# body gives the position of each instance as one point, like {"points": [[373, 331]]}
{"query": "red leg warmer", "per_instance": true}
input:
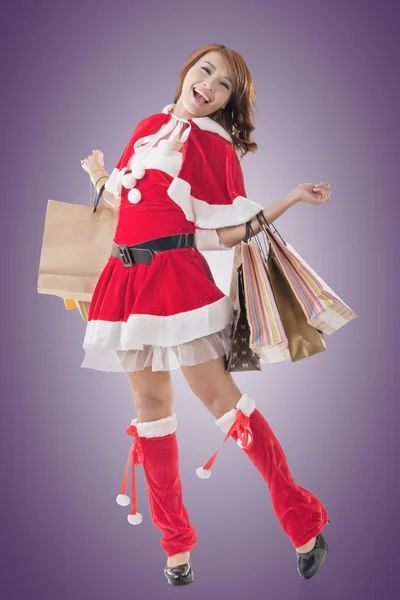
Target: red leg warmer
{"points": [[156, 447], [300, 513]]}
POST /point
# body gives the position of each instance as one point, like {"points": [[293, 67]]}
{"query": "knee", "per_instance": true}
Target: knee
{"points": [[150, 407], [218, 402]]}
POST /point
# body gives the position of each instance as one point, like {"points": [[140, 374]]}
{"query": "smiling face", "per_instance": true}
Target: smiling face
{"points": [[209, 78]]}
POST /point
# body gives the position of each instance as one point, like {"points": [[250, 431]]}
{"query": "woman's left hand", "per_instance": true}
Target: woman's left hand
{"points": [[314, 193]]}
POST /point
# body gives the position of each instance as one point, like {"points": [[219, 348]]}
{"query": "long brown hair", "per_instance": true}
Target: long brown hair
{"points": [[237, 116]]}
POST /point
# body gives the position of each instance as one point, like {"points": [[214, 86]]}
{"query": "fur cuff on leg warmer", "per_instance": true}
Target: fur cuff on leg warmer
{"points": [[160, 428], [245, 404]]}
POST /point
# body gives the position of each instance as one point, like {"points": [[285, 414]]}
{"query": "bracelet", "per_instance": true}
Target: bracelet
{"points": [[98, 169], [100, 178]]}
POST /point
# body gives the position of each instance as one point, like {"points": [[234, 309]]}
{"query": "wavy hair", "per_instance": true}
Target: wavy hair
{"points": [[237, 116]]}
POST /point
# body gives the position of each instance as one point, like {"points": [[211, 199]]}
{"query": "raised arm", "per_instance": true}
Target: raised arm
{"points": [[230, 236], [94, 166]]}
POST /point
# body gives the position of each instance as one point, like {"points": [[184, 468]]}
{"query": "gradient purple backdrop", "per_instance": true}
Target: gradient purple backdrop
{"points": [[79, 77]]}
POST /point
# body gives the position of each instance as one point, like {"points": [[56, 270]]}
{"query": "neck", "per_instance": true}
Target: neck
{"points": [[181, 112]]}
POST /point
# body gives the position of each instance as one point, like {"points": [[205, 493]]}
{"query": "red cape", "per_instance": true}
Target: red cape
{"points": [[209, 187]]}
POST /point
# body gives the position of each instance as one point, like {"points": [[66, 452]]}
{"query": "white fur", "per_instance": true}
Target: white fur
{"points": [[135, 519], [113, 183], [129, 181], [134, 196], [159, 428], [138, 171], [245, 404], [203, 473], [169, 330], [205, 123], [165, 147], [123, 500], [211, 216], [227, 420]]}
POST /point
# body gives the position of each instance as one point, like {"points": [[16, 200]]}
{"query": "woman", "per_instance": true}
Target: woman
{"points": [[178, 188]]}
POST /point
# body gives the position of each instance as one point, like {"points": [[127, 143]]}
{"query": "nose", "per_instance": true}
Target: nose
{"points": [[208, 85]]}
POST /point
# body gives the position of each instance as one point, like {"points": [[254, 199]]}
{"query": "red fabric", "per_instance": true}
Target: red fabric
{"points": [[161, 468], [156, 215], [121, 291], [209, 162], [136, 456], [212, 168], [300, 513], [151, 289], [241, 429]]}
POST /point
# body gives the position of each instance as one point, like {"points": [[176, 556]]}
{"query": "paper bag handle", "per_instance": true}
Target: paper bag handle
{"points": [[98, 196], [261, 217]]}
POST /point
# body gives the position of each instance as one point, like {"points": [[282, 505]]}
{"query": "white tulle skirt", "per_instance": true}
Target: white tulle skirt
{"points": [[160, 358]]}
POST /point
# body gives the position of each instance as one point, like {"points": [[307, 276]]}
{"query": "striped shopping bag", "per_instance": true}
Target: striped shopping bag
{"points": [[81, 305], [267, 336], [323, 308]]}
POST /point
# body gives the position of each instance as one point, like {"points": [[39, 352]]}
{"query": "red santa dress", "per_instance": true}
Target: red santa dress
{"points": [[170, 312]]}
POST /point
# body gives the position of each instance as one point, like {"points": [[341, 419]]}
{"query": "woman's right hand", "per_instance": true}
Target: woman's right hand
{"points": [[93, 161]]}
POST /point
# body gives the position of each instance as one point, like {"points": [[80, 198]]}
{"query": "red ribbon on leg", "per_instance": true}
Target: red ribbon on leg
{"points": [[136, 455], [241, 426]]}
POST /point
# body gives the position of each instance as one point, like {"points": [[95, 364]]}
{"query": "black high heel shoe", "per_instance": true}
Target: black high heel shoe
{"points": [[179, 575], [308, 563]]}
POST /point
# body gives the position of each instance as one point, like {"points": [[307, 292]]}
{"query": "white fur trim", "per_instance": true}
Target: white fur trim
{"points": [[113, 183], [179, 192], [211, 216], [208, 124], [246, 404], [134, 196], [159, 428], [123, 500], [203, 473], [135, 519], [205, 123], [138, 171], [129, 181], [208, 239], [154, 159], [141, 329], [165, 147], [227, 420], [168, 108]]}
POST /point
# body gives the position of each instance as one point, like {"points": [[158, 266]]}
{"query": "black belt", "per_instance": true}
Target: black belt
{"points": [[143, 253]]}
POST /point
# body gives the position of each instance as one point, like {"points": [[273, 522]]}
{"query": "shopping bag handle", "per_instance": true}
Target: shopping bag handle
{"points": [[263, 221], [97, 199]]}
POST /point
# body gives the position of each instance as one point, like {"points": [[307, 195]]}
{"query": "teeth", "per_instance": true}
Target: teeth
{"points": [[199, 92]]}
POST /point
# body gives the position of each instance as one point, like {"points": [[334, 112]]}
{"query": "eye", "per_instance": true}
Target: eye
{"points": [[208, 71]]}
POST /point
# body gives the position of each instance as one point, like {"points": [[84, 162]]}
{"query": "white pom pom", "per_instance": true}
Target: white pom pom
{"points": [[138, 171], [134, 196], [203, 473], [123, 500], [165, 147], [135, 519], [129, 181]]}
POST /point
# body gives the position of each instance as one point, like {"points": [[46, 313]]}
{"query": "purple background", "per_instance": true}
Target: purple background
{"points": [[80, 77]]}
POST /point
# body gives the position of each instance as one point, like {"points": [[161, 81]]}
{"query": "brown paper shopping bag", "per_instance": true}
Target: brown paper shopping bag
{"points": [[76, 245]]}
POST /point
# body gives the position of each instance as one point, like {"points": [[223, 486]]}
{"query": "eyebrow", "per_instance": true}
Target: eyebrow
{"points": [[211, 65]]}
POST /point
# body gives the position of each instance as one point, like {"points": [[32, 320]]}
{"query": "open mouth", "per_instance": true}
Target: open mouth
{"points": [[199, 98]]}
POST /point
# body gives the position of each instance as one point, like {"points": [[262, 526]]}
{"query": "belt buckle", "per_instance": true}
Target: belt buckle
{"points": [[125, 256]]}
